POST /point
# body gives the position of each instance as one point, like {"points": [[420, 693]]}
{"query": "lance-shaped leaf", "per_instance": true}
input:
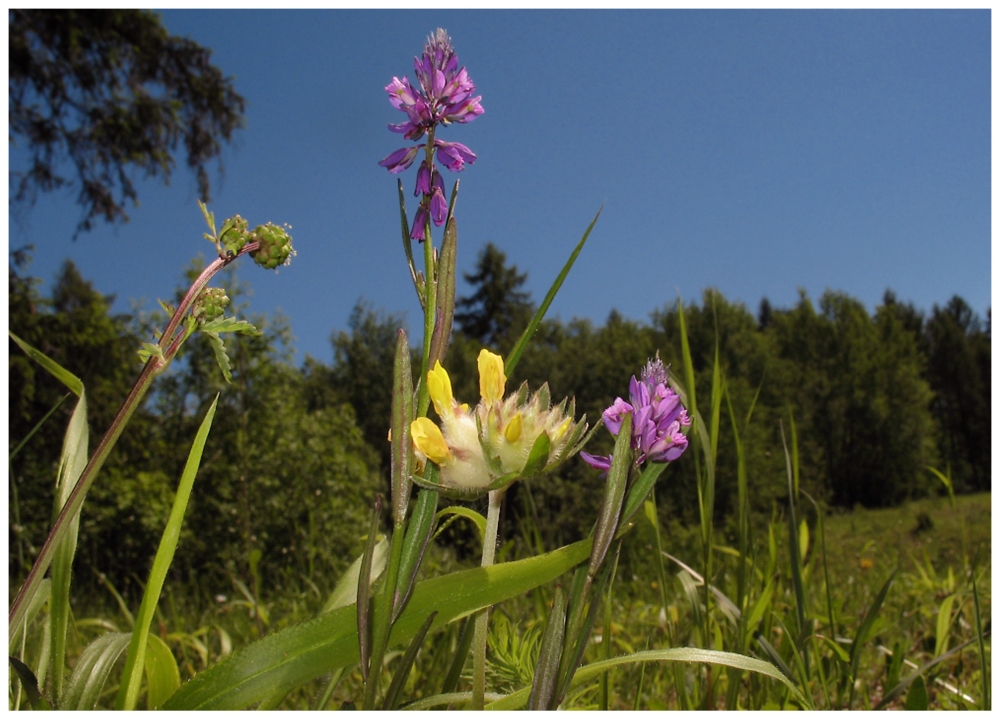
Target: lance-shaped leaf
{"points": [[614, 493], [128, 691], [395, 691], [35, 699], [515, 354], [404, 221], [402, 417], [291, 657], [547, 669], [444, 309], [364, 586], [418, 536]]}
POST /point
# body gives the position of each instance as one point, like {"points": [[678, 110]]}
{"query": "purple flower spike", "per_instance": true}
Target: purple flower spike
{"points": [[444, 94], [657, 418]]}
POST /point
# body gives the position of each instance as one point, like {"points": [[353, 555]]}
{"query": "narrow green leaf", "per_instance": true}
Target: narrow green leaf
{"points": [[92, 669], [868, 622], [640, 490], [461, 654], [614, 493], [444, 307], [897, 690], [459, 511], [128, 691], [547, 669], [69, 379], [219, 348], [35, 699], [408, 245], [394, 692], [983, 666], [402, 418], [364, 612], [682, 654], [916, 698], [163, 677], [515, 354], [943, 625], [71, 464], [418, 537], [346, 591], [20, 445], [294, 656]]}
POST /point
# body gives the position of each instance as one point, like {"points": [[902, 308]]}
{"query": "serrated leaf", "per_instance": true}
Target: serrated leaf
{"points": [[229, 324], [220, 355]]}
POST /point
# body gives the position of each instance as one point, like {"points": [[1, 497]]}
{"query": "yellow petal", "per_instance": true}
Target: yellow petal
{"points": [[439, 388], [491, 376], [513, 431], [427, 438]]}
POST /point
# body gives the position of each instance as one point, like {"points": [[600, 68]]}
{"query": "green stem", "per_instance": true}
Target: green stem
{"points": [[482, 619], [154, 366], [430, 295]]}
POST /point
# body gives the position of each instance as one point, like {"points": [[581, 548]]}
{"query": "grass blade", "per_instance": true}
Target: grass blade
{"points": [[682, 654], [515, 354], [128, 691], [393, 694], [547, 669], [91, 672], [35, 699]]}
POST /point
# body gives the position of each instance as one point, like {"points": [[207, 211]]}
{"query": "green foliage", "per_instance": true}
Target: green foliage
{"points": [[110, 92]]}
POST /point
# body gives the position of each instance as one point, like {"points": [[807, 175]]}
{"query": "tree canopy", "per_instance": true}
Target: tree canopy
{"points": [[95, 95]]}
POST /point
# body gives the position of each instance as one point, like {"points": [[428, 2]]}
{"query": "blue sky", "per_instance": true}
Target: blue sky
{"points": [[755, 152]]}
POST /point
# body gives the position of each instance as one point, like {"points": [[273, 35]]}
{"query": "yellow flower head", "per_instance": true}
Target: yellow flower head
{"points": [[511, 430]]}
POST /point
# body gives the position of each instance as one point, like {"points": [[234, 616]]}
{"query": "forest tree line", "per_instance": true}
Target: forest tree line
{"points": [[298, 452]]}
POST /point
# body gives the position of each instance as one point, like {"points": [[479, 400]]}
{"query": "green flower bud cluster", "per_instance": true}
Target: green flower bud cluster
{"points": [[275, 246], [234, 236], [210, 305]]}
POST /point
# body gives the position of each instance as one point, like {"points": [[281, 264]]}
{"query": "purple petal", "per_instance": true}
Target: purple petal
{"points": [[602, 463], [439, 207]]}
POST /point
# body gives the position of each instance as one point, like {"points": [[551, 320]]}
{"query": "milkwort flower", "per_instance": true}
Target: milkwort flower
{"points": [[657, 418], [444, 95], [498, 441]]}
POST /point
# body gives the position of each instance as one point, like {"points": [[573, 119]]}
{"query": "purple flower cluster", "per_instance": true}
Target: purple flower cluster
{"points": [[444, 96], [657, 416]]}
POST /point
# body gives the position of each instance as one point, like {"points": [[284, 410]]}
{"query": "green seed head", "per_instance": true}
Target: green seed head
{"points": [[275, 246]]}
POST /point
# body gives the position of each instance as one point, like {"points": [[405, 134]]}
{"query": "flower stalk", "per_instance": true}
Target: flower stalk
{"points": [[482, 618], [168, 345]]}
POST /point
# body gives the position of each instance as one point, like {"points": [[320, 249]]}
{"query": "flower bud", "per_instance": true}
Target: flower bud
{"points": [[275, 246], [209, 305]]}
